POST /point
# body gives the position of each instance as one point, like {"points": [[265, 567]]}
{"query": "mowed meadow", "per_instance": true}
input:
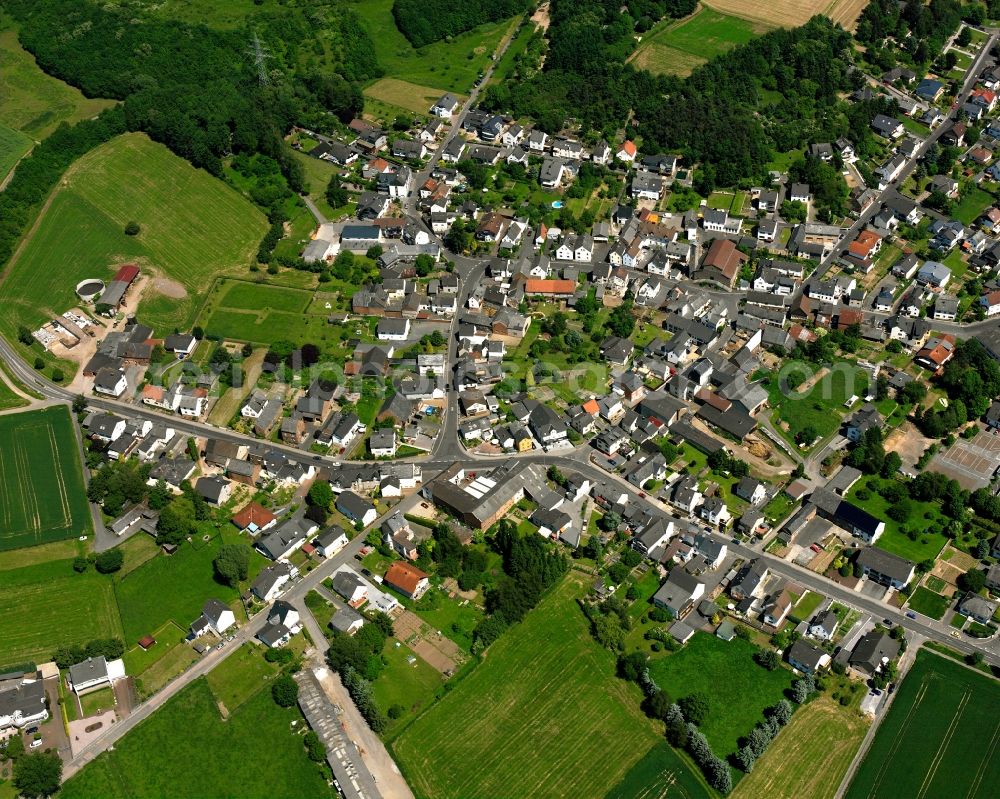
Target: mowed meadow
{"points": [[678, 47], [194, 228], [542, 716], [48, 605], [31, 101]]}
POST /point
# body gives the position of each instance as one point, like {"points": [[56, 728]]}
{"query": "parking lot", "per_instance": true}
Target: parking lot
{"points": [[970, 462]]}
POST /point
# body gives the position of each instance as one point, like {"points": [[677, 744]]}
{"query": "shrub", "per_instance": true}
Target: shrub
{"points": [[110, 561], [285, 691]]}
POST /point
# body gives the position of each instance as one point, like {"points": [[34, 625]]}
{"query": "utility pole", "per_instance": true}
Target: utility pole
{"points": [[260, 55]]}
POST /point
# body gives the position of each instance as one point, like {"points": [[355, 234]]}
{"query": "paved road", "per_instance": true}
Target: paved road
{"points": [[295, 595], [970, 79], [448, 449]]}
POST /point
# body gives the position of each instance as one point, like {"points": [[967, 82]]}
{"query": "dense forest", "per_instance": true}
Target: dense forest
{"points": [[190, 87], [426, 21], [922, 29], [722, 115]]}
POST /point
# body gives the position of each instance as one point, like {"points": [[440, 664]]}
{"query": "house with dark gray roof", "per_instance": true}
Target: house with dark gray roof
{"points": [[885, 567]]}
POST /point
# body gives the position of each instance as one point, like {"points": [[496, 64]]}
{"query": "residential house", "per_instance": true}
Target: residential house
{"points": [[679, 592], [885, 568], [356, 508], [407, 579]]}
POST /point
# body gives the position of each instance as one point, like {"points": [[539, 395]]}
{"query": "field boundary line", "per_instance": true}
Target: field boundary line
{"points": [[29, 502], [650, 37], [984, 764], [60, 478], [939, 755], [5, 492]]}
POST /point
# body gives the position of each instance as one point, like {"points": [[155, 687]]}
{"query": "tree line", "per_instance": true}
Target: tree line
{"points": [[426, 21]]}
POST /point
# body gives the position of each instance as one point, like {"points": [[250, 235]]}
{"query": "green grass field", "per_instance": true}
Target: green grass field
{"points": [[240, 676], [972, 203], [170, 588], [42, 494], [411, 685], [48, 605], [447, 65], [809, 757], [928, 603], [13, 144], [542, 716], [8, 399], [404, 95], [807, 604], [926, 546], [254, 297], [738, 689], [98, 701], [821, 406], [679, 48], [194, 228], [31, 101], [664, 774], [939, 737], [240, 756]]}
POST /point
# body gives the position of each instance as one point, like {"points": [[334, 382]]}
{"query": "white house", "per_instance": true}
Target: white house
{"points": [[94, 673], [331, 541], [445, 107], [392, 329], [23, 703], [111, 381]]}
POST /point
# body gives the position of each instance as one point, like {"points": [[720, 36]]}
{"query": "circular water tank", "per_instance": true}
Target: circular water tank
{"points": [[90, 290]]}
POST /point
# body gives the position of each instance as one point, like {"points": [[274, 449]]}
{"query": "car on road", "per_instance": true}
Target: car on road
{"points": [[956, 634], [910, 614], [887, 621]]}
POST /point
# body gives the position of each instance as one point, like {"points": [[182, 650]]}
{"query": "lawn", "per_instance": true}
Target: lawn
{"points": [[664, 774], [928, 603], [404, 95], [189, 730], [48, 605], [13, 144], [678, 48], [257, 297], [263, 313], [413, 686], [806, 606], [972, 203], [170, 588], [194, 228], [738, 689], [922, 514], [779, 507], [958, 265], [137, 659], [454, 620], [240, 676], [541, 716], [938, 738], [809, 757], [42, 494], [318, 174], [31, 101], [98, 701], [821, 406], [447, 65]]}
